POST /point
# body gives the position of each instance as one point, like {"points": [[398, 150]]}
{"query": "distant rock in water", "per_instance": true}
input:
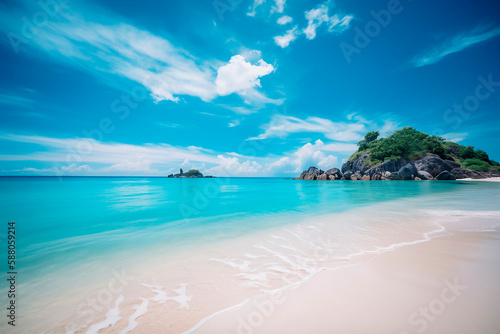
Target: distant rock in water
{"points": [[420, 157], [192, 173]]}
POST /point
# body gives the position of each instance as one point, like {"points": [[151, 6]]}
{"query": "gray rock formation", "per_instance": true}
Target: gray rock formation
{"points": [[334, 174], [357, 165], [430, 167], [445, 175], [423, 175], [311, 174], [432, 164]]}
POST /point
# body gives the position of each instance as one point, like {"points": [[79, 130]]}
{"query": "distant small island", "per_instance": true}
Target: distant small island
{"points": [[409, 154], [192, 173]]}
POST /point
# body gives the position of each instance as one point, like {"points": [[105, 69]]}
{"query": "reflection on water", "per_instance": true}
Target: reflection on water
{"points": [[132, 196]]}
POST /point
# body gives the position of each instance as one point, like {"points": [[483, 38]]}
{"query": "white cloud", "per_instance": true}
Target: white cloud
{"points": [[388, 128], [240, 76], [281, 126], [234, 123], [454, 45], [253, 9], [455, 137], [140, 165], [284, 41], [340, 147], [68, 169], [284, 20], [306, 156], [232, 166], [311, 155], [318, 16], [278, 7], [280, 164], [242, 110]]}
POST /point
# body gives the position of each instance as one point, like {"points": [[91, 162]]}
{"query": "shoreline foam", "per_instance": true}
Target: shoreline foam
{"points": [[388, 293]]}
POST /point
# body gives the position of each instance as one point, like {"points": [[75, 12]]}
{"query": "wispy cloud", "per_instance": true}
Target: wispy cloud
{"points": [[167, 71], [454, 45], [12, 100], [316, 18], [455, 137], [253, 8], [234, 123], [87, 150], [281, 126], [278, 7], [319, 15]]}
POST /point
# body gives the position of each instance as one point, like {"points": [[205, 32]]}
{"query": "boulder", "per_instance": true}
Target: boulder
{"points": [[431, 164], [335, 173], [311, 174], [323, 177], [408, 172], [424, 175], [347, 175], [417, 178], [365, 178], [445, 175], [395, 176]]}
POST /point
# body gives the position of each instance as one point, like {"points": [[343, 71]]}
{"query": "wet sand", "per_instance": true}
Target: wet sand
{"points": [[446, 285]]}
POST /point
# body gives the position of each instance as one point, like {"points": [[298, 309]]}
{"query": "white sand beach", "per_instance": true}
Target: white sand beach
{"points": [[446, 285], [491, 179]]}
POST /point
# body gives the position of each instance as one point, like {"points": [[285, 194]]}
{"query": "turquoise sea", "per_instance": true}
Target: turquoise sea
{"points": [[70, 232]]}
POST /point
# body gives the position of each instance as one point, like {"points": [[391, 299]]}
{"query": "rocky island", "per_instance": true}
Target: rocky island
{"points": [[409, 154], [192, 173]]}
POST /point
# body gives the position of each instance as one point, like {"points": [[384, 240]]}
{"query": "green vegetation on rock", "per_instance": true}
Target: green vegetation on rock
{"points": [[408, 143]]}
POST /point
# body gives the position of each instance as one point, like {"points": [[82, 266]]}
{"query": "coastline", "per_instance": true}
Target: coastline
{"points": [[490, 179], [176, 292], [246, 275]]}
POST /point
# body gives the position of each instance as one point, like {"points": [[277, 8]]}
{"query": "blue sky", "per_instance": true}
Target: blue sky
{"points": [[239, 88]]}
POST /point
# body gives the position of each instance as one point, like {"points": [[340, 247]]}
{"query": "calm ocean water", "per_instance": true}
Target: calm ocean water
{"points": [[72, 230]]}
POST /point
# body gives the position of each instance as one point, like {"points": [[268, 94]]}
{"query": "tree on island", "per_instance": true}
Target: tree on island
{"points": [[193, 172]]}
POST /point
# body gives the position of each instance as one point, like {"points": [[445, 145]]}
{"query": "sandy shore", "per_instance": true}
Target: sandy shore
{"points": [[491, 179], [446, 285]]}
